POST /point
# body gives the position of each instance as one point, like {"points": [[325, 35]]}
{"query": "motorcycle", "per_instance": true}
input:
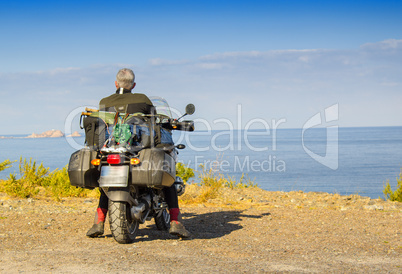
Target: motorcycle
{"points": [[132, 157]]}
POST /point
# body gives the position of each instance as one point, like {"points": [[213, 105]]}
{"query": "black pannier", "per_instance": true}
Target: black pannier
{"points": [[157, 168], [80, 170]]}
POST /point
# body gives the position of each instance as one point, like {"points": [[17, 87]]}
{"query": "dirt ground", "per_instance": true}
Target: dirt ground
{"points": [[260, 232]]}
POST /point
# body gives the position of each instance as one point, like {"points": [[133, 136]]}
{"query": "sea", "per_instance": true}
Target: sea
{"points": [[358, 160]]}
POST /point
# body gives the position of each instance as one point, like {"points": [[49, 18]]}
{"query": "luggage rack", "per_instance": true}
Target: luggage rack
{"points": [[114, 150], [120, 149]]}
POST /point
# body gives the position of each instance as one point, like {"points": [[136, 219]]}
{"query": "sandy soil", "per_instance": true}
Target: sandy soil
{"points": [[260, 232]]}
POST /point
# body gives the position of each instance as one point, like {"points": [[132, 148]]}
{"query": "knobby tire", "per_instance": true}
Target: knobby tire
{"points": [[123, 227]]}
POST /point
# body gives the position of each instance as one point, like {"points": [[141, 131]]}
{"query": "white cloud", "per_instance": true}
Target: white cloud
{"points": [[291, 84], [389, 44]]}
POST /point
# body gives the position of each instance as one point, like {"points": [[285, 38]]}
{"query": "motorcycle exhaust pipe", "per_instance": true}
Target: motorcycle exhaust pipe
{"points": [[140, 212], [180, 186]]}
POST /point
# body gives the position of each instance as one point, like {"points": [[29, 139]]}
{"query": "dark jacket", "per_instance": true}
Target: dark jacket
{"points": [[126, 103]]}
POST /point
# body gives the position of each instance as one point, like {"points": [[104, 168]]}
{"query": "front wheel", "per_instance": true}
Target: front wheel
{"points": [[124, 228], [162, 220]]}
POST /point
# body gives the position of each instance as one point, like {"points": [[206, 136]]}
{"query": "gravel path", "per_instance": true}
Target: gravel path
{"points": [[261, 232]]}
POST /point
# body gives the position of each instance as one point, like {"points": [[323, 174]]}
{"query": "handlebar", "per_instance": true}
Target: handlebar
{"points": [[184, 125]]}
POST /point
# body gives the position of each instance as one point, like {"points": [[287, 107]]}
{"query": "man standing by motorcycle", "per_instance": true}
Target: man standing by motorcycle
{"points": [[124, 101]]}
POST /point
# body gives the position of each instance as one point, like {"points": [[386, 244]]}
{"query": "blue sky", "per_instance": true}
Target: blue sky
{"points": [[277, 59]]}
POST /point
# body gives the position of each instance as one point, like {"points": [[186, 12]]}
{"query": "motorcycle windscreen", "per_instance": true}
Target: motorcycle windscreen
{"points": [[161, 106], [114, 176]]}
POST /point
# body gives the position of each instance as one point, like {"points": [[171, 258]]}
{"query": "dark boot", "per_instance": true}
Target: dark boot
{"points": [[99, 224], [176, 227], [96, 230]]}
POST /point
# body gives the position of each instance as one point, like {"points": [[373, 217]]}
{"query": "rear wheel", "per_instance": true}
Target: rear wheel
{"points": [[124, 228], [162, 220]]}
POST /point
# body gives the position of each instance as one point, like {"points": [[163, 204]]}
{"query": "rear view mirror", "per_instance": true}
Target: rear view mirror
{"points": [[190, 109]]}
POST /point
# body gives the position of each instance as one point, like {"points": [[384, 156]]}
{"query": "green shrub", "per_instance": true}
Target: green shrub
{"points": [[244, 182], [217, 180], [5, 164], [31, 173], [213, 182], [184, 172], [17, 187], [27, 185], [394, 195], [35, 178], [57, 185]]}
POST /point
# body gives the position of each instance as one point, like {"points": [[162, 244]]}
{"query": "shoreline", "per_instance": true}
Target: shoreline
{"points": [[194, 183], [256, 196]]}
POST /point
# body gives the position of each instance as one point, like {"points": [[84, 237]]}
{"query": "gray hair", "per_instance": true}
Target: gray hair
{"points": [[125, 78]]}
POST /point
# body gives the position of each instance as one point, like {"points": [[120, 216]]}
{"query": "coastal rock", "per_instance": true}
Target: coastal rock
{"points": [[47, 134], [74, 134]]}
